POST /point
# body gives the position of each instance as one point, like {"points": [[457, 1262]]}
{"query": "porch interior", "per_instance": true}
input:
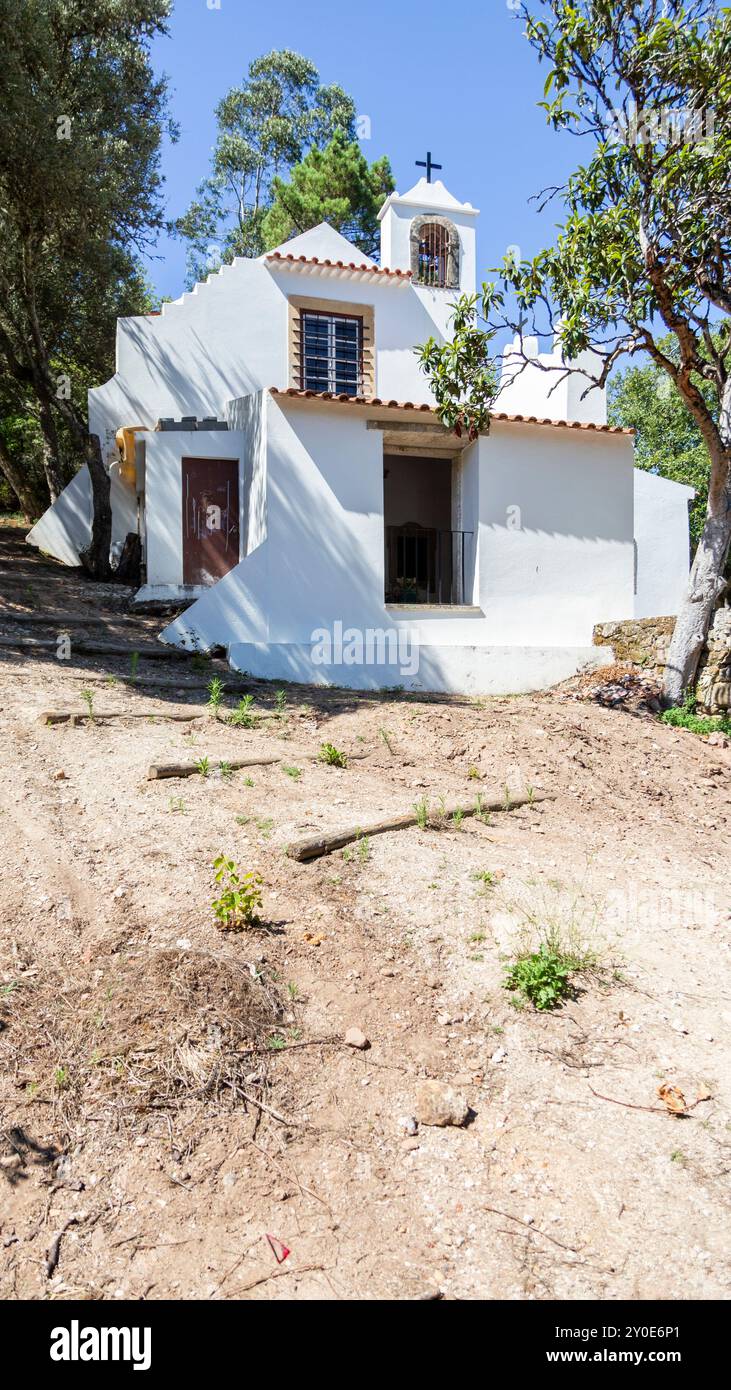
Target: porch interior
{"points": [[426, 556]]}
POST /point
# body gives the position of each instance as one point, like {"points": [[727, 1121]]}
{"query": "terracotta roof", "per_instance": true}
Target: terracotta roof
{"points": [[291, 262], [429, 410]]}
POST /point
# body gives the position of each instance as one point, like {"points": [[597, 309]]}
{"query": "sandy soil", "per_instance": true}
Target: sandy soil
{"points": [[171, 1094]]}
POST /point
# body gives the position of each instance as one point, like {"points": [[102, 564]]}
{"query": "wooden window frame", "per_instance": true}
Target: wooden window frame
{"points": [[364, 312]]}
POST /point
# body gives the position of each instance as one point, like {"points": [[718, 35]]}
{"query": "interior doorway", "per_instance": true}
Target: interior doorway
{"points": [[425, 555]]}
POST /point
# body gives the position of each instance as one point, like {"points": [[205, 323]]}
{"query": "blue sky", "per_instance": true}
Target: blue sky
{"points": [[455, 77]]}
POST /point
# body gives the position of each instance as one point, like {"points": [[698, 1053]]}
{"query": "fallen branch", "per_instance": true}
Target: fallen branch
{"points": [[89, 648], [158, 770], [683, 1114], [54, 1249], [318, 845], [48, 619], [190, 769], [67, 716]]}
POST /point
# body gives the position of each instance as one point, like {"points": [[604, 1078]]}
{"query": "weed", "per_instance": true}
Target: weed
{"points": [[248, 781], [62, 1078], [276, 1042], [216, 688], [542, 977], [363, 845], [477, 936], [225, 769], [264, 826], [481, 814], [280, 701], [474, 774], [507, 803], [332, 756], [677, 1156], [421, 811], [242, 717], [684, 718], [240, 895], [111, 680], [203, 766], [177, 804], [134, 661], [387, 740], [531, 793], [457, 819], [294, 772], [293, 990], [88, 698], [243, 820], [487, 877]]}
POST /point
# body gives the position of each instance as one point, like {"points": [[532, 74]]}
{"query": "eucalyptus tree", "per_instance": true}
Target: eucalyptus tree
{"points": [[643, 250], [265, 126]]}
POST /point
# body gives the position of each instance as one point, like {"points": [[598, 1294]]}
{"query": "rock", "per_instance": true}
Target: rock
{"points": [[719, 740], [498, 1056], [354, 1038], [408, 1124], [60, 775], [437, 1104]]}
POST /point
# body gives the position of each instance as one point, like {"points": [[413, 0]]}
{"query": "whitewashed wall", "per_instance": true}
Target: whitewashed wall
{"points": [[165, 451], [64, 530], [662, 544], [540, 589], [228, 338]]}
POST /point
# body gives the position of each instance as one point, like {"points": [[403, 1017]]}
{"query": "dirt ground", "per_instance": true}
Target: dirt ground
{"points": [[171, 1095]]}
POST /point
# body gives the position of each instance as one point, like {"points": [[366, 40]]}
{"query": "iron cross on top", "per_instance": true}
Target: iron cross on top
{"points": [[428, 165]]}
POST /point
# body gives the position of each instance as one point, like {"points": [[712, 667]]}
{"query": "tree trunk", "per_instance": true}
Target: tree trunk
{"points": [[706, 584], [95, 558], [51, 451], [31, 504]]}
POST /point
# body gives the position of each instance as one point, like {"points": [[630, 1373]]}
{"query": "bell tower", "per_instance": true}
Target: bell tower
{"points": [[432, 234]]}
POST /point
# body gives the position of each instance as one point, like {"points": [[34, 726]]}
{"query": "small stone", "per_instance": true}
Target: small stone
{"points": [[437, 1104], [498, 1056], [408, 1124], [355, 1038], [410, 1145], [60, 775]]}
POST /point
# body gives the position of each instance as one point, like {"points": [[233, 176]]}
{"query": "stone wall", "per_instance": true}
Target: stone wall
{"points": [[644, 641], [714, 682]]}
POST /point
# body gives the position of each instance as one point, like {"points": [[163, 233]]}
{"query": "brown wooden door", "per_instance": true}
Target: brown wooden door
{"points": [[210, 519]]}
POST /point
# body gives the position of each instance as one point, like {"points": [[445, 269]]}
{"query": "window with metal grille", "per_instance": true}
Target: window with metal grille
{"points": [[433, 256], [331, 352]]}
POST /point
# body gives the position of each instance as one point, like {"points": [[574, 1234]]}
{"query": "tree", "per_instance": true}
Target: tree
{"points": [[335, 185], [80, 132], [667, 439], [644, 250], [264, 127]]}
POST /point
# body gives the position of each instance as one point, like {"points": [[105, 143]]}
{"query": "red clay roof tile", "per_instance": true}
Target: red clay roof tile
{"points": [[409, 405]]}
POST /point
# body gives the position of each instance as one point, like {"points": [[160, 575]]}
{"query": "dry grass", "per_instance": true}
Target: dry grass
{"points": [[146, 1030]]}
